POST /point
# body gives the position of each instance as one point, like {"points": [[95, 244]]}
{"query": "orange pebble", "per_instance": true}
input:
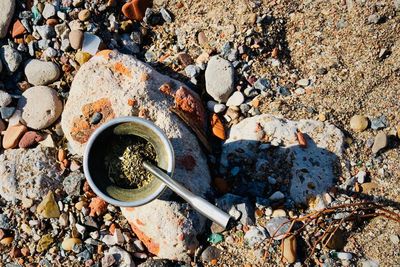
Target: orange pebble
{"points": [[301, 139], [275, 52], [135, 9], [62, 155], [217, 127], [18, 29]]}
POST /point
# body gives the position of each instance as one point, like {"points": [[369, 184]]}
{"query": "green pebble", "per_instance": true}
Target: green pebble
{"points": [[215, 238]]}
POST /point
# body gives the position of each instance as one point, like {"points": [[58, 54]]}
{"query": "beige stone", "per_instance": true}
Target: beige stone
{"points": [[68, 243], [290, 249], [358, 123], [48, 208], [380, 142], [12, 135], [40, 107]]}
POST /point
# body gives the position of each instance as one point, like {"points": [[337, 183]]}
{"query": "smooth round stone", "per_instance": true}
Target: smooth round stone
{"points": [[76, 39], [303, 82], [210, 253], [5, 99], [84, 15], [96, 118], [279, 213], [344, 255], [41, 72], [236, 99], [69, 243], [40, 107], [278, 195], [215, 107], [29, 139], [358, 123], [380, 142], [290, 248], [361, 177], [219, 78], [12, 135]]}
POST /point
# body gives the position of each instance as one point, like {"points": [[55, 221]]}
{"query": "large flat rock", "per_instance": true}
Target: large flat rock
{"points": [[28, 173], [117, 85], [168, 229], [266, 146]]}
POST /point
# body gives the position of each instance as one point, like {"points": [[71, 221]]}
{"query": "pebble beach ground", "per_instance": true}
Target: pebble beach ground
{"points": [[298, 101]]}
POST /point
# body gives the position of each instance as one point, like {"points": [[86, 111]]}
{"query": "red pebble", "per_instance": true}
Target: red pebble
{"points": [[29, 139]]}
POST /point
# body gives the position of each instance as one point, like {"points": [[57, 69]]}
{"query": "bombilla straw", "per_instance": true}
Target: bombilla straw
{"points": [[200, 204]]}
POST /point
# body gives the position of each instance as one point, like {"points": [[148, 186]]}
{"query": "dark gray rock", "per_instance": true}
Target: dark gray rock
{"points": [[238, 207], [210, 253]]}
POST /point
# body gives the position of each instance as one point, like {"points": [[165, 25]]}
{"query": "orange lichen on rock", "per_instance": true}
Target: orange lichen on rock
{"points": [[122, 69], [166, 89], [143, 113], [97, 206], [152, 246], [104, 53], [130, 209], [144, 76], [81, 127], [217, 127], [131, 102], [191, 105], [139, 222]]}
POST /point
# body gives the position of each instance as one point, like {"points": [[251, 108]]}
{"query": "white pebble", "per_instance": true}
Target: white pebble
{"points": [[361, 176], [235, 99], [344, 255]]}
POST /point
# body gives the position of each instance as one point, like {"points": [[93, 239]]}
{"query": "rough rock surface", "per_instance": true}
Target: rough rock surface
{"points": [[168, 229], [40, 107], [117, 85], [5, 99], [28, 173], [272, 145], [6, 13], [10, 57], [106, 84]]}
